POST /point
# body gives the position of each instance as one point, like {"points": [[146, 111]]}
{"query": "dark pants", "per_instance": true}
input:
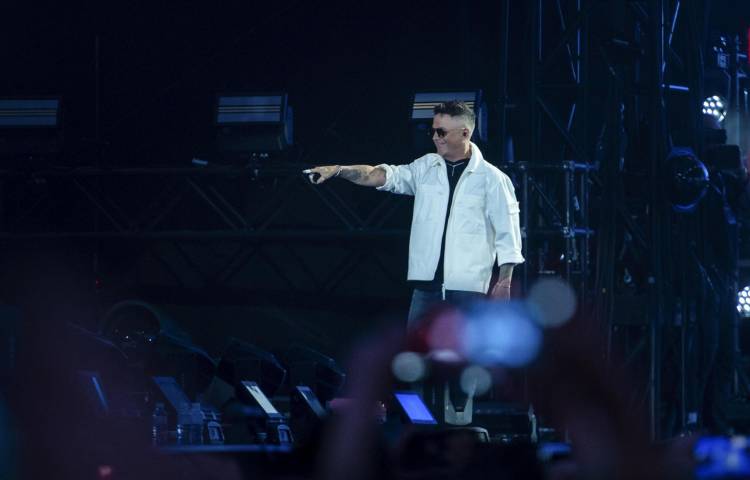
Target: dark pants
{"points": [[422, 301]]}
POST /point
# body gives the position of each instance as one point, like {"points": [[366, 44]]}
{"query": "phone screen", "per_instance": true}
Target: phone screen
{"points": [[722, 457], [311, 400], [260, 397], [415, 408]]}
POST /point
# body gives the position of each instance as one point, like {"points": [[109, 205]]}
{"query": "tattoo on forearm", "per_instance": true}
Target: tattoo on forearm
{"points": [[353, 174]]}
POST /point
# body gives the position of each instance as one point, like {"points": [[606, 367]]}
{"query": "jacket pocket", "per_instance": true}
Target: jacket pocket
{"points": [[469, 214], [427, 203], [471, 201]]}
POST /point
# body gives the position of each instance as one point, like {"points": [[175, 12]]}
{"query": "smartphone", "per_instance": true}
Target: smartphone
{"points": [[722, 457], [414, 409]]}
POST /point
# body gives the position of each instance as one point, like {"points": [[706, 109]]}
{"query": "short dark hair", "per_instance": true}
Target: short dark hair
{"points": [[456, 108]]}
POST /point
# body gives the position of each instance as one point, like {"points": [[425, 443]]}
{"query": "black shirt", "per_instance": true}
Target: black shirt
{"points": [[454, 170]]}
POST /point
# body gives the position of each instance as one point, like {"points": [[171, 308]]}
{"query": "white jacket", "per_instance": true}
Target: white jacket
{"points": [[483, 225]]}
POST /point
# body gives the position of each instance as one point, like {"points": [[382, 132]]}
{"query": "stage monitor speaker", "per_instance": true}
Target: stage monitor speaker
{"points": [[170, 392], [306, 414], [241, 361], [316, 370]]}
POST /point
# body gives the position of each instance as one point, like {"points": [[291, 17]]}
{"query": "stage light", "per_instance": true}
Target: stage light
{"points": [[743, 302], [148, 337], [24, 113], [688, 179], [133, 325], [261, 123], [30, 125], [422, 112], [716, 107]]}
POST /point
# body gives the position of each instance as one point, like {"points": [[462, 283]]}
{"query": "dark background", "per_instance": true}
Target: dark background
{"points": [[350, 69]]}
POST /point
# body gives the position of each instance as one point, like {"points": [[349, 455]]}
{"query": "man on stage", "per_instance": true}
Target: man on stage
{"points": [[465, 214]]}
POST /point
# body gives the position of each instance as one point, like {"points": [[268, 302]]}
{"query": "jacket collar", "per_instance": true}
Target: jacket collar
{"points": [[474, 162]]}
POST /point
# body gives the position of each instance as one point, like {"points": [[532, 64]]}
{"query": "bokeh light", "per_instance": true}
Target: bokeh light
{"points": [[501, 334], [475, 380], [445, 355], [408, 367], [445, 331], [552, 301]]}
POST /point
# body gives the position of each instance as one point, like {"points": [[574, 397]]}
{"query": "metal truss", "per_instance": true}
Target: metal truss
{"points": [[263, 228], [663, 60], [581, 156], [264, 233], [250, 203], [555, 180], [554, 221]]}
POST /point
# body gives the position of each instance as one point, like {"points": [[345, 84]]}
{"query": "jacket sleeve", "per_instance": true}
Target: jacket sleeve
{"points": [[401, 179], [503, 213]]}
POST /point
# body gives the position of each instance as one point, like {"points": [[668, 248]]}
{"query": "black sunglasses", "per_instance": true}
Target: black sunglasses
{"points": [[441, 133]]}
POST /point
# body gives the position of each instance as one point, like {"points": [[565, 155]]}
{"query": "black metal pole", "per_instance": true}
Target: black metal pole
{"points": [[656, 18], [582, 47], [569, 227], [503, 93]]}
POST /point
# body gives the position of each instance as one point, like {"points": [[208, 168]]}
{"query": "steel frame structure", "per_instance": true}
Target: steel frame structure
{"points": [[640, 61], [251, 214], [554, 182], [675, 302], [176, 212]]}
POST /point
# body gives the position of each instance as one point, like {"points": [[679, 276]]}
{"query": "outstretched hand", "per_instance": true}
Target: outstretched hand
{"points": [[318, 175]]}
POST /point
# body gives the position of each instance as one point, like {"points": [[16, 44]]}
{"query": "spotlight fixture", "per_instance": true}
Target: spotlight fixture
{"points": [[30, 125], [743, 302], [688, 179], [716, 107], [257, 123], [153, 344]]}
